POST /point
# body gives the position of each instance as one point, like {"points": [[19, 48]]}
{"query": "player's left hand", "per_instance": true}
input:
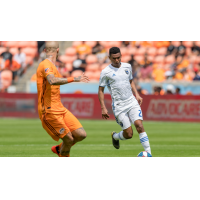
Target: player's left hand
{"points": [[82, 78], [139, 99]]}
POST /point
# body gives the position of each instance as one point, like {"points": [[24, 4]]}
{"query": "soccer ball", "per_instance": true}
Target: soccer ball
{"points": [[144, 154]]}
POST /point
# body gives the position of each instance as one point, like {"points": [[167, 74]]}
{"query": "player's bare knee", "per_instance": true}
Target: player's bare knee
{"points": [[83, 135], [68, 140], [80, 134], [128, 134]]}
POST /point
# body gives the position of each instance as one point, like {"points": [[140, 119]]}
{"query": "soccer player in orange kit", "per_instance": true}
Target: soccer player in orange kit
{"points": [[59, 122]]}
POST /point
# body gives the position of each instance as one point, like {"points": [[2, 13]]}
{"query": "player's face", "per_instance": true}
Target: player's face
{"points": [[115, 59]]}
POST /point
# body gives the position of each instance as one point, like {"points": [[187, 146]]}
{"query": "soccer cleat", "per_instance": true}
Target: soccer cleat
{"points": [[115, 142], [55, 149]]}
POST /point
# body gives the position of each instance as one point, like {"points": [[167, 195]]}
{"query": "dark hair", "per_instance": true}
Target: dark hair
{"points": [[114, 50]]}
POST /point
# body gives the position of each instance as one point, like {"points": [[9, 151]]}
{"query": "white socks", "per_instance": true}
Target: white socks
{"points": [[144, 140], [119, 136]]}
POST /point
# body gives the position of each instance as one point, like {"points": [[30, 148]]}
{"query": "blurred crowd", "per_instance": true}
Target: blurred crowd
{"points": [[158, 61], [15, 58], [150, 60]]}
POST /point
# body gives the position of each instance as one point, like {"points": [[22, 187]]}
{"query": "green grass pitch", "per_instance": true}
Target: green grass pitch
{"points": [[27, 138]]}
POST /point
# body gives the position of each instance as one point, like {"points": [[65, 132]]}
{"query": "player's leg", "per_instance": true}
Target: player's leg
{"points": [[75, 127], [56, 128], [136, 118], [67, 143], [79, 134], [126, 133], [144, 140]]}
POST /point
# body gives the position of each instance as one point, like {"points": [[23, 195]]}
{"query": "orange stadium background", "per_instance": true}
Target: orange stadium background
{"points": [[166, 73]]}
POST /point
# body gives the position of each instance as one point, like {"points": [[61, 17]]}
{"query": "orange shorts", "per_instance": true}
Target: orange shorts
{"points": [[57, 126]]}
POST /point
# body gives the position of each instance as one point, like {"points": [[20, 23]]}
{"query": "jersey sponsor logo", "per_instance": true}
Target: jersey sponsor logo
{"points": [[127, 72], [61, 130], [113, 75]]}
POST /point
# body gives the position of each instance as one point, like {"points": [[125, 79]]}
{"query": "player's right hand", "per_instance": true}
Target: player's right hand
{"points": [[82, 78], [105, 114]]}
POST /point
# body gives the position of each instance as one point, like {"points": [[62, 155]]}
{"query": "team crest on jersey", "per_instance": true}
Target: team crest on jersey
{"points": [[126, 71], [61, 130], [46, 70]]}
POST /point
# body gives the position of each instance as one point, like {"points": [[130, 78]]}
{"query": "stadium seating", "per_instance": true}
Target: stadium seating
{"points": [[29, 51], [6, 79], [76, 43], [124, 51], [141, 51], [76, 73], [126, 58], [162, 51], [69, 66], [13, 50], [159, 59], [70, 51], [188, 44], [170, 59], [152, 51], [176, 43], [139, 58], [12, 44], [155, 50], [2, 49], [28, 47], [132, 51], [114, 44], [93, 67], [91, 59], [91, 43]]}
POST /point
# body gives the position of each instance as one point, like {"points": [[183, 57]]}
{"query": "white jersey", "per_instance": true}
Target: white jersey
{"points": [[118, 82]]}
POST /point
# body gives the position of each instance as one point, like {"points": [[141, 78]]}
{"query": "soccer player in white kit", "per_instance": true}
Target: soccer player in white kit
{"points": [[126, 108]]}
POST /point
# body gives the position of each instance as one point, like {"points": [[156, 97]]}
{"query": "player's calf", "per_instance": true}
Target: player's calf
{"points": [[68, 141], [139, 126], [144, 140], [128, 133], [124, 135]]}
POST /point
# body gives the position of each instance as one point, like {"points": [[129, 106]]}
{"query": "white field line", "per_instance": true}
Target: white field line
{"points": [[108, 145]]}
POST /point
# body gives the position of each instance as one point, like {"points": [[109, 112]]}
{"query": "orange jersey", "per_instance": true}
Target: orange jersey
{"points": [[48, 95]]}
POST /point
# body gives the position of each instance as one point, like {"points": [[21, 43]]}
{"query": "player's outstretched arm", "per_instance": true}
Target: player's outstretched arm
{"points": [[104, 111], [61, 81], [137, 96]]}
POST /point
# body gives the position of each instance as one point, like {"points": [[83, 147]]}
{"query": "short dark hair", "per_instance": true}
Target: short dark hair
{"points": [[114, 50]]}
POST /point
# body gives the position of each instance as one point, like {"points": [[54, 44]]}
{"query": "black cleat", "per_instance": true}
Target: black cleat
{"points": [[115, 142]]}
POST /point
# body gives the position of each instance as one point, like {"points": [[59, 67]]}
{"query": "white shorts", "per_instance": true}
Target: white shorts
{"points": [[126, 118]]}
